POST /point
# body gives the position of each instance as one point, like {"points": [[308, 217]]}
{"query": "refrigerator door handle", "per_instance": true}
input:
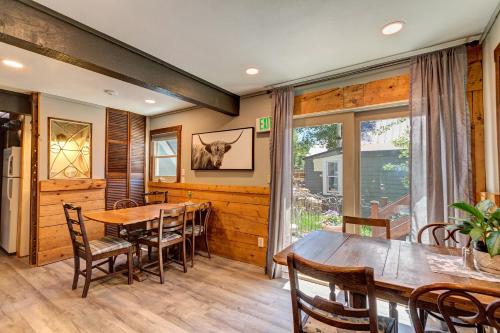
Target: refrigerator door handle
{"points": [[10, 186], [10, 165]]}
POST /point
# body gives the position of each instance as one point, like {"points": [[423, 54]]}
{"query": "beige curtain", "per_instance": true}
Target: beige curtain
{"points": [[440, 165], [281, 175]]}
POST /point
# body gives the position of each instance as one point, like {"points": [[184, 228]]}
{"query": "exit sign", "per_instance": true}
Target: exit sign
{"points": [[264, 124]]}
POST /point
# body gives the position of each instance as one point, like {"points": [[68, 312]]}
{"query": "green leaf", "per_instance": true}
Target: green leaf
{"points": [[466, 227], [476, 233], [465, 207], [493, 243], [485, 207]]}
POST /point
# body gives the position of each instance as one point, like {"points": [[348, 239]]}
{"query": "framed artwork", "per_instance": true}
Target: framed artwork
{"points": [[70, 149], [223, 150]]}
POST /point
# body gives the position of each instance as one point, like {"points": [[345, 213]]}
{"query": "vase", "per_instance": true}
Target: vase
{"points": [[486, 263]]}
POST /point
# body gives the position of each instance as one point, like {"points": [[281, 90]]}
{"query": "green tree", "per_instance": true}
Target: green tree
{"points": [[304, 138]]}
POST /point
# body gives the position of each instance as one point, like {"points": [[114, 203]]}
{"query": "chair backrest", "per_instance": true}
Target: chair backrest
{"points": [[155, 197], [383, 223], [450, 295], [204, 212], [440, 233], [76, 228], [359, 279], [125, 203], [172, 220]]}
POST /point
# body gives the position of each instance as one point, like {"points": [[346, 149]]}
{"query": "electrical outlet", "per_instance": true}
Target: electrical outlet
{"points": [[260, 242]]}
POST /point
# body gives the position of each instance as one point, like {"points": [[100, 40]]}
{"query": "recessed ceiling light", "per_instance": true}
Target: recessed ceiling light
{"points": [[150, 101], [12, 63], [252, 71], [111, 92], [392, 28]]}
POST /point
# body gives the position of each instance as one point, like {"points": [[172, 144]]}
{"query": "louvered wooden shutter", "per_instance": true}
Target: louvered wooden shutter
{"points": [[137, 155], [125, 154]]}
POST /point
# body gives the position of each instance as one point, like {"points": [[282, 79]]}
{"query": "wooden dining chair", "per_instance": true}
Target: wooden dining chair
{"points": [[364, 221], [155, 197], [451, 295], [328, 315], [199, 228], [171, 232], [107, 247], [377, 223], [441, 233]]}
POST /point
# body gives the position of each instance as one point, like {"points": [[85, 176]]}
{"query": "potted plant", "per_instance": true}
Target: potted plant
{"points": [[483, 227]]}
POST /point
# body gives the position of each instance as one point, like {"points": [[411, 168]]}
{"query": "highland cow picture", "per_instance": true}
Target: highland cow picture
{"points": [[223, 150]]}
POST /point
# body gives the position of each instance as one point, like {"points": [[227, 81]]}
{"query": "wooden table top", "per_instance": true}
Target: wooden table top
{"points": [[399, 266], [129, 215]]}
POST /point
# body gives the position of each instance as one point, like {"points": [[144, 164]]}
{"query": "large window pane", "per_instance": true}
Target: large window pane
{"points": [[384, 183], [317, 181], [165, 166]]}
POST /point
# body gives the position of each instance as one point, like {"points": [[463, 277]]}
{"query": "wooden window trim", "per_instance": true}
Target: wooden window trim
{"points": [[178, 130], [497, 93]]}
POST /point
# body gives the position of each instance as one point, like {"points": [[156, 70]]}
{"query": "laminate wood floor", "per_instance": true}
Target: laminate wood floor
{"points": [[217, 295]]}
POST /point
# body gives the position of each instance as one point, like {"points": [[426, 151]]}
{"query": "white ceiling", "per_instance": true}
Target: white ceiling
{"points": [[43, 74], [218, 39], [286, 39]]}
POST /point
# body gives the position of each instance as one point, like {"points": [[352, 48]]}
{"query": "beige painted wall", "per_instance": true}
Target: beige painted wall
{"points": [[58, 107], [204, 120], [490, 128]]}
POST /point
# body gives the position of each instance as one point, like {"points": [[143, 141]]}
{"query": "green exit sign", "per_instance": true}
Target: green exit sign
{"points": [[264, 124]]}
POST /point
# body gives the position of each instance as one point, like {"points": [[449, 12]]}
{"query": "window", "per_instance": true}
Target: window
{"points": [[332, 176], [165, 154]]}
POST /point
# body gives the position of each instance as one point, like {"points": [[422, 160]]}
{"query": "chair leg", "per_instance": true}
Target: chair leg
{"points": [[77, 272], [184, 255], [139, 255], [193, 242], [206, 244], [111, 264], [150, 251], [88, 277], [160, 263], [393, 313], [130, 268]]}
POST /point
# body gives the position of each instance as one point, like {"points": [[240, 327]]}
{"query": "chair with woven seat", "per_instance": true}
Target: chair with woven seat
{"points": [[199, 228], [485, 303], [155, 197], [171, 232], [107, 247], [327, 315]]}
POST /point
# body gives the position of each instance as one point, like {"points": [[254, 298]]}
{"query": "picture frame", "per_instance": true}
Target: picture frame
{"points": [[231, 149], [69, 149]]}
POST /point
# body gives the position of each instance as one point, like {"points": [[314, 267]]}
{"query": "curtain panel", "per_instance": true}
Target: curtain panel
{"points": [[440, 166], [281, 175]]}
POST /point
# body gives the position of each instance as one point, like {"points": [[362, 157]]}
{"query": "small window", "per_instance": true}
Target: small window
{"points": [[165, 154], [332, 176]]}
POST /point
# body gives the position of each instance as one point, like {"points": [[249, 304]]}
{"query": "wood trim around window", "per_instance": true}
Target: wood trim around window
{"points": [[497, 92], [171, 129]]}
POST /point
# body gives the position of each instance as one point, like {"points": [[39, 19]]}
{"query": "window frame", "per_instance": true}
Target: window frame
{"points": [[152, 158], [326, 176]]}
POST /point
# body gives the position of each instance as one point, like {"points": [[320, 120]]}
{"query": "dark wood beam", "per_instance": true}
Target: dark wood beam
{"points": [[15, 102], [33, 27]]}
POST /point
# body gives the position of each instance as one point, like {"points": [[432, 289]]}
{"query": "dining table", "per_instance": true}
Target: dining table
{"points": [[399, 266], [130, 216]]}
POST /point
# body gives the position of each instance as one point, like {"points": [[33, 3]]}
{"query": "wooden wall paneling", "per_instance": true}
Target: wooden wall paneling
{"points": [[35, 135], [53, 239], [240, 217], [23, 228], [475, 102], [392, 89]]}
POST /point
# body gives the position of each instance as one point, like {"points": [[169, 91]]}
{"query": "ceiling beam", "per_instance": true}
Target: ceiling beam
{"points": [[33, 27], [14, 102]]}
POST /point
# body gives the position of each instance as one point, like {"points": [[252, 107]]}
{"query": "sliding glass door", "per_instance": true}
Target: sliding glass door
{"points": [[350, 164], [321, 160]]}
